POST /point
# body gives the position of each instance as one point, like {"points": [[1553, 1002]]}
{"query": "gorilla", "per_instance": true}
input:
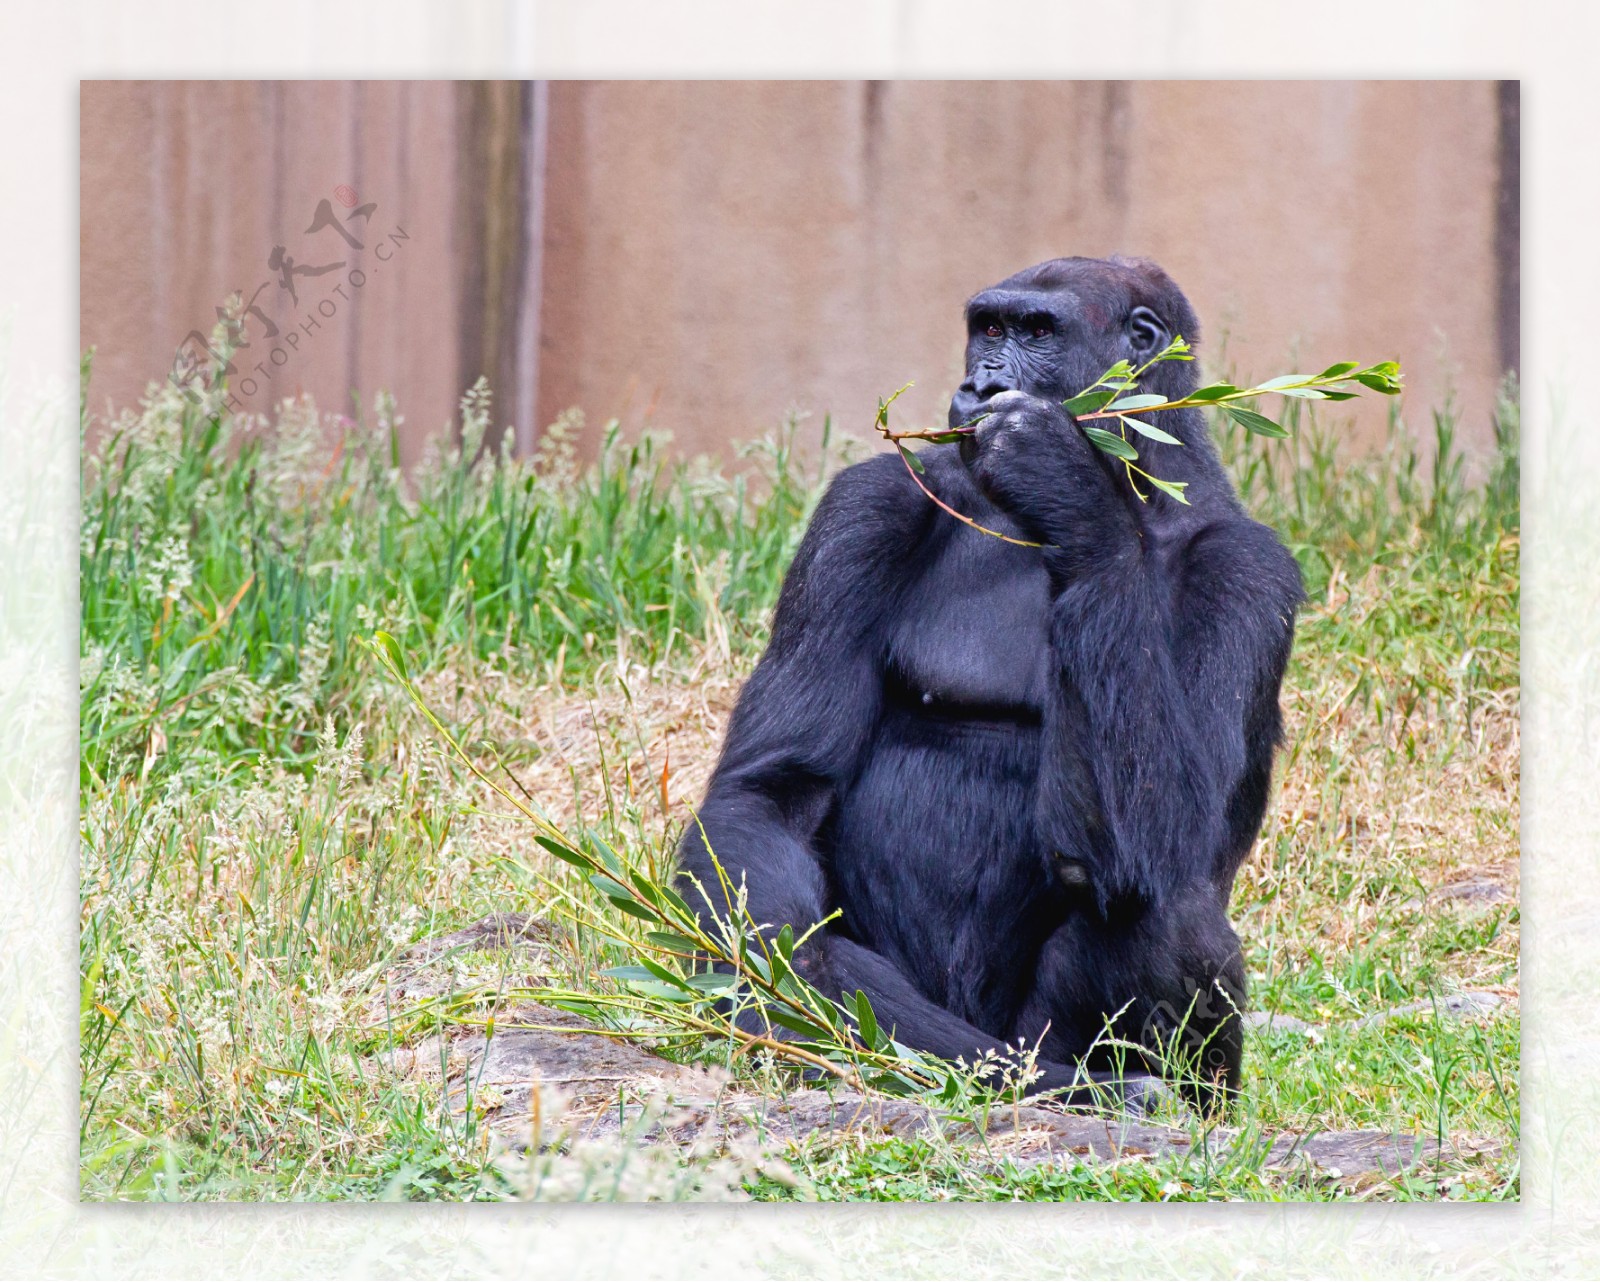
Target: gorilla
{"points": [[1025, 776]]}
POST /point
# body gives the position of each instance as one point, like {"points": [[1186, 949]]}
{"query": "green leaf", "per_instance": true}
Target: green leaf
{"points": [[892, 1084], [912, 461], [1284, 380], [671, 939], [883, 406], [785, 942], [1304, 393], [866, 1020], [1111, 443], [1143, 401], [1251, 421], [1338, 396], [607, 856], [392, 649], [1339, 370], [1378, 383], [628, 974], [608, 887], [676, 902], [647, 889], [595, 1012], [566, 854], [1212, 392], [1173, 488], [663, 992], [664, 975], [642, 979], [1154, 433], [782, 972], [902, 1051], [621, 899], [713, 981], [1089, 402], [795, 1024]]}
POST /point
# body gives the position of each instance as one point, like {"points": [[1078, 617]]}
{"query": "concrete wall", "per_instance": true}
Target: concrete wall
{"points": [[706, 255], [187, 187]]}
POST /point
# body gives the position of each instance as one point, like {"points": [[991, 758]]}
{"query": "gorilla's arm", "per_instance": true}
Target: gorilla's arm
{"points": [[1167, 652], [806, 713], [1165, 706], [1236, 590]]}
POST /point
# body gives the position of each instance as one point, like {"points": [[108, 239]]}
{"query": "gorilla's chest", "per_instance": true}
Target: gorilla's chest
{"points": [[973, 639]]}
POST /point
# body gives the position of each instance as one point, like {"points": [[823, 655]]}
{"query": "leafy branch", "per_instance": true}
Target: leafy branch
{"points": [[1115, 396], [695, 974]]}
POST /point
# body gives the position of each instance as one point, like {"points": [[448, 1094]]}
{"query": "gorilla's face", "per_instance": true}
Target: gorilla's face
{"points": [[1050, 343]]}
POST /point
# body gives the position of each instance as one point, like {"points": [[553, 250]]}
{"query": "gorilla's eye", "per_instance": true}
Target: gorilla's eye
{"points": [[993, 331], [1043, 330]]}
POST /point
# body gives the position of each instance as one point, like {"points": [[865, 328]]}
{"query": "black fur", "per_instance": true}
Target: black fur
{"points": [[1026, 776]]}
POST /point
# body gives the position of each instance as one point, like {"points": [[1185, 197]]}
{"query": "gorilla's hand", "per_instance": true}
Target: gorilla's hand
{"points": [[1030, 458]]}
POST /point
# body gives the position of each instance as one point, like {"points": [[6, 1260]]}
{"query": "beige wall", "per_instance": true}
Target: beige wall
{"points": [[187, 187], [707, 255]]}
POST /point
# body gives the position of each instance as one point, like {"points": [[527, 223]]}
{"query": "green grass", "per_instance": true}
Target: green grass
{"points": [[325, 540], [267, 823]]}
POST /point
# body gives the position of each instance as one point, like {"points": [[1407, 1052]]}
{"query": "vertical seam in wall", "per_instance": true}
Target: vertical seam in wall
{"points": [[469, 342], [1508, 224], [535, 145], [873, 285]]}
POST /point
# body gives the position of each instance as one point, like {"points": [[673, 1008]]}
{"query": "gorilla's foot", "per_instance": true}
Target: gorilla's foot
{"points": [[1142, 1094], [1128, 1095]]}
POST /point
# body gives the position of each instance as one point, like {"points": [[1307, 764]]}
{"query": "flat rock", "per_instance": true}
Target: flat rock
{"points": [[544, 1077], [492, 934], [1477, 890], [537, 1087], [1272, 1021], [1462, 1005], [523, 947], [1452, 1006]]}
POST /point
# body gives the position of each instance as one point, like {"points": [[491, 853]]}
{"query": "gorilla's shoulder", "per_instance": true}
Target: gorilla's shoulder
{"points": [[883, 473], [888, 478], [877, 504]]}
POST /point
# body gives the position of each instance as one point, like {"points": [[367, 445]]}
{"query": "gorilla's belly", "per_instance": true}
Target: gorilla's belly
{"points": [[955, 893]]}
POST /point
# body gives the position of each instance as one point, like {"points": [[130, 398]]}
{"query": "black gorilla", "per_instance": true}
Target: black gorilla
{"points": [[1027, 776]]}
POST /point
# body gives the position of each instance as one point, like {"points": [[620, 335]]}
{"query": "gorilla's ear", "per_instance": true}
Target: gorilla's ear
{"points": [[1147, 332]]}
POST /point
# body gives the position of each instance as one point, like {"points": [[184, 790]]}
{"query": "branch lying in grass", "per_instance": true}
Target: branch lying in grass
{"points": [[1115, 395]]}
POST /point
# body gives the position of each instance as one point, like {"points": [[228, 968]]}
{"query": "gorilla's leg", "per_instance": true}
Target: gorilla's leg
{"points": [[838, 967]]}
